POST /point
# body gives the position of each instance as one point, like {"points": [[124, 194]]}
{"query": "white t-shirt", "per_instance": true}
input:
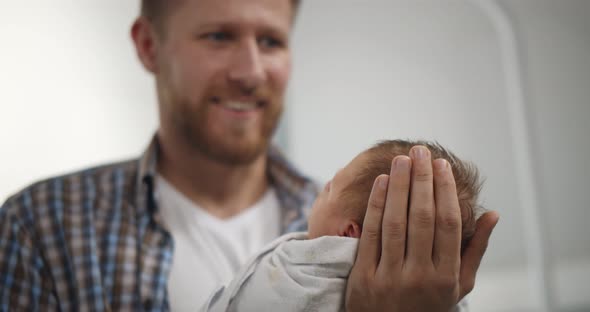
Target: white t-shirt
{"points": [[209, 251]]}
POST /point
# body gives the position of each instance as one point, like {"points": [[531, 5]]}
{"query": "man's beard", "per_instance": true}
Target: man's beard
{"points": [[193, 125]]}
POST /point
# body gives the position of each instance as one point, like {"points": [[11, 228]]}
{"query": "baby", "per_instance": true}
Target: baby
{"points": [[340, 208], [308, 271]]}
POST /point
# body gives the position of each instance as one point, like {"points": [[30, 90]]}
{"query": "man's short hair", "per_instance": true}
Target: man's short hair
{"points": [[156, 11], [379, 158]]}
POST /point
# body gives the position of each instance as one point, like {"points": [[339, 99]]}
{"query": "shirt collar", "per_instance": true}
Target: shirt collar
{"points": [[296, 192]]}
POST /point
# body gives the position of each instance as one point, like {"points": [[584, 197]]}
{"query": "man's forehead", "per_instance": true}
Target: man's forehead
{"points": [[270, 13]]}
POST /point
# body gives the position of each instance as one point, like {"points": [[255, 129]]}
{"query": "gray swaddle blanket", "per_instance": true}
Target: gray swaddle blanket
{"points": [[293, 274]]}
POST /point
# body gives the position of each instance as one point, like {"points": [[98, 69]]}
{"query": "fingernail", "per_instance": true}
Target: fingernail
{"points": [[419, 152], [402, 163], [441, 165]]}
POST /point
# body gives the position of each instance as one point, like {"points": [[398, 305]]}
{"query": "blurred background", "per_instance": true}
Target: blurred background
{"points": [[505, 84]]}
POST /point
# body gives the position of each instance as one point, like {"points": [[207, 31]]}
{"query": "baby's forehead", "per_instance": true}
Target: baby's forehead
{"points": [[357, 171], [359, 161], [344, 180]]}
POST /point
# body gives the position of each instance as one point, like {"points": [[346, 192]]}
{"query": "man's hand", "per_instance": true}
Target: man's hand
{"points": [[410, 259]]}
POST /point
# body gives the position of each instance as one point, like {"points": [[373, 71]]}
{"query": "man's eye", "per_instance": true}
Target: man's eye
{"points": [[269, 42], [217, 36]]}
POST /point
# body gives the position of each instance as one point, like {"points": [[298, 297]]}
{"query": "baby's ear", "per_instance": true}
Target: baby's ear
{"points": [[350, 229]]}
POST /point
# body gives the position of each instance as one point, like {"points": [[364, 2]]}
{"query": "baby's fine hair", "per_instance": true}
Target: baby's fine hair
{"points": [[379, 159]]}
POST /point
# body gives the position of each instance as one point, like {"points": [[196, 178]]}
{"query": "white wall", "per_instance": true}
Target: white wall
{"points": [[400, 69], [434, 70], [556, 39], [73, 95], [72, 92]]}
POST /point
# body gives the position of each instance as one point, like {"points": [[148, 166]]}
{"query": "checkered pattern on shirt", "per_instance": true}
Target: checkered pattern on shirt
{"points": [[93, 240]]}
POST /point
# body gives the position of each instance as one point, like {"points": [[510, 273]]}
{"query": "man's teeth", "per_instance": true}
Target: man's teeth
{"points": [[240, 106]]}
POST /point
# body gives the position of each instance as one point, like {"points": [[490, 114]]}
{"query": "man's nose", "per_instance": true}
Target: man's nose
{"points": [[247, 70]]}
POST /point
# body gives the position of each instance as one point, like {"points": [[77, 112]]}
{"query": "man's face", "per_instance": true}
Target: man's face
{"points": [[222, 70], [329, 211]]}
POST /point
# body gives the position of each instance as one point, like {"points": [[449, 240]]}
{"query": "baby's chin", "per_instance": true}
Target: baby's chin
{"points": [[314, 232], [311, 234], [317, 233]]}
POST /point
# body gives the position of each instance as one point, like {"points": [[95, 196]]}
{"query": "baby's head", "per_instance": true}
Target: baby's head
{"points": [[340, 208]]}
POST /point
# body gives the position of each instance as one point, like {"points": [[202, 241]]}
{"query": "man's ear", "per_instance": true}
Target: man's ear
{"points": [[350, 229], [145, 41]]}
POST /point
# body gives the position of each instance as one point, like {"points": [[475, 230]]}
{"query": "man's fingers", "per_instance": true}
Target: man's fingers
{"points": [[421, 215], [447, 237], [369, 250], [475, 250], [395, 218]]}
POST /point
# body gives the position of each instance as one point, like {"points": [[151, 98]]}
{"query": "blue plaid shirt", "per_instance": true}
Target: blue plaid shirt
{"points": [[94, 240]]}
